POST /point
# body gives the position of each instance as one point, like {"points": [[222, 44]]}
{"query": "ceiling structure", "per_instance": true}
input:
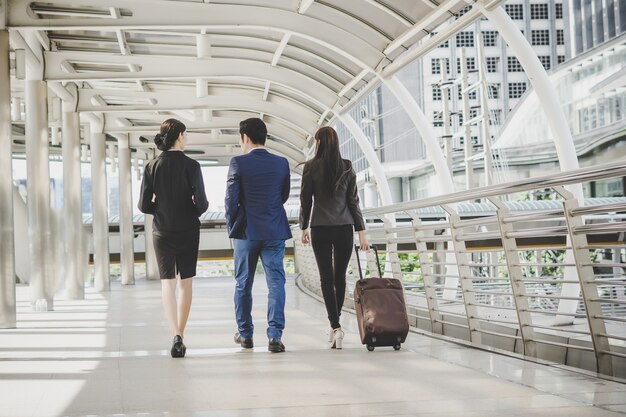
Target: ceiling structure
{"points": [[295, 63]]}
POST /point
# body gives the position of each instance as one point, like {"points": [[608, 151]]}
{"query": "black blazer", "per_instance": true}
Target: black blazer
{"points": [[338, 207], [175, 180]]}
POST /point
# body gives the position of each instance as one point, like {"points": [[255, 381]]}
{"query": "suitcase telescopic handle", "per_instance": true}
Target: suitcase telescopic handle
{"points": [[358, 262]]}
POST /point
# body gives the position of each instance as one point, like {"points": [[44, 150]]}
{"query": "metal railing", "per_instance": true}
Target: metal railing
{"points": [[548, 283]]}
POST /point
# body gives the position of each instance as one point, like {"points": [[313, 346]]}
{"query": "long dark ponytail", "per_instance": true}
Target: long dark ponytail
{"points": [[170, 131], [328, 157]]}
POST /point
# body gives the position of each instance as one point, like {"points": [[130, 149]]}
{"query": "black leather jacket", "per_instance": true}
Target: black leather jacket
{"points": [[336, 208]]}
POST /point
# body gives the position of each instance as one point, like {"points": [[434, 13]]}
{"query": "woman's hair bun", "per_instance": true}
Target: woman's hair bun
{"points": [[170, 131], [159, 141]]}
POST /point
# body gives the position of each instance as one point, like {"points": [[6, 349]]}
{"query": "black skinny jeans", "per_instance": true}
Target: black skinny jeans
{"points": [[332, 242]]}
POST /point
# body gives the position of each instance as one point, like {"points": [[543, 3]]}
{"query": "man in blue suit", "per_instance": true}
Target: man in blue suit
{"points": [[257, 187]]}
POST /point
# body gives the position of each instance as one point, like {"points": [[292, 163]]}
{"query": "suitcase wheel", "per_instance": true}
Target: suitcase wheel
{"points": [[396, 347], [370, 348]]}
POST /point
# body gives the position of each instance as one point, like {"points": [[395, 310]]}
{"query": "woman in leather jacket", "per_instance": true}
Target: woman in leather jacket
{"points": [[329, 199]]}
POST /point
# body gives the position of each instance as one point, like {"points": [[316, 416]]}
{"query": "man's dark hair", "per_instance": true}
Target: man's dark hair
{"points": [[255, 129]]}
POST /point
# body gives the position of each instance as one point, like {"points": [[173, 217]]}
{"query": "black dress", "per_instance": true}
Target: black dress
{"points": [[173, 191]]}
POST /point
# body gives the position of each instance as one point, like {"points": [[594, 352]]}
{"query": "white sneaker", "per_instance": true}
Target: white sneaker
{"points": [[337, 339]]}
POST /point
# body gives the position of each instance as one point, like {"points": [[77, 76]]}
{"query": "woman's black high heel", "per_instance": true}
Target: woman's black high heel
{"points": [[178, 347]]}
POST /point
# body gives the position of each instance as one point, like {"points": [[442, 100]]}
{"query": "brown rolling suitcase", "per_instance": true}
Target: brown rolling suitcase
{"points": [[380, 309]]}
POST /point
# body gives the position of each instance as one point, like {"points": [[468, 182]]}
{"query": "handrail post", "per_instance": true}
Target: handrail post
{"points": [[427, 273], [465, 274], [511, 254], [588, 286], [392, 258]]}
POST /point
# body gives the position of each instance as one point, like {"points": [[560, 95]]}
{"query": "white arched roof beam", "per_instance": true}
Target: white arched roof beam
{"points": [[565, 148], [546, 92], [425, 129], [370, 155], [315, 67], [367, 58], [151, 14], [291, 113], [157, 68], [284, 133]]}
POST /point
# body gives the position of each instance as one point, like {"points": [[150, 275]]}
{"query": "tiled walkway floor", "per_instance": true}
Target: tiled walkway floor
{"points": [[109, 356]]}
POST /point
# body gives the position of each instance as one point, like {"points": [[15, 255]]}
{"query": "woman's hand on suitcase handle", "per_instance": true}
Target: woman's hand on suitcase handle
{"points": [[306, 237], [364, 244]]}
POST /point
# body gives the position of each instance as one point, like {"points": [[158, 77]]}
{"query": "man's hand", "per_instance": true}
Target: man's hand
{"points": [[306, 237]]}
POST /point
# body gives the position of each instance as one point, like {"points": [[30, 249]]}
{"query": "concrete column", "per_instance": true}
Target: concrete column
{"points": [[72, 206], [7, 249], [406, 189], [152, 268], [38, 190], [370, 197], [395, 185], [99, 208], [127, 250]]}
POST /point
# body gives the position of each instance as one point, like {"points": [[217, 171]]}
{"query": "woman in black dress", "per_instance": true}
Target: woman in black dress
{"points": [[173, 191], [329, 186]]}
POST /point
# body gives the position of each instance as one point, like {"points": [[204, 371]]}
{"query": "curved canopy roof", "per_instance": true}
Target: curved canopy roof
{"points": [[212, 63]]}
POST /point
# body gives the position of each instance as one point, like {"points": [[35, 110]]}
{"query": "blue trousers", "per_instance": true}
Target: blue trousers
{"points": [[272, 253]]}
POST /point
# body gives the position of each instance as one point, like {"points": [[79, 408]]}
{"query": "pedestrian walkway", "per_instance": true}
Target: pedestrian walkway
{"points": [[109, 356]]}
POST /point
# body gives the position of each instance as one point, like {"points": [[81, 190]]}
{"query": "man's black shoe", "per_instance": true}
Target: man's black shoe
{"points": [[245, 343], [276, 346]]}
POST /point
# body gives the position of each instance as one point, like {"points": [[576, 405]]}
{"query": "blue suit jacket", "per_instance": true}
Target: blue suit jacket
{"points": [[257, 187]]}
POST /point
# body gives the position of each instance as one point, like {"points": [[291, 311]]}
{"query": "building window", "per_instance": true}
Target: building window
{"points": [[516, 11], [492, 63], [545, 61], [540, 37], [496, 116], [437, 119], [490, 38], [494, 91], [560, 59], [560, 40], [471, 64], [470, 95], [435, 66], [465, 39], [442, 45], [516, 89], [436, 93], [538, 11], [514, 65], [558, 11]]}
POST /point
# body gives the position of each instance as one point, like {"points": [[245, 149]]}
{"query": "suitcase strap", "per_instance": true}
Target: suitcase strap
{"points": [[358, 261]]}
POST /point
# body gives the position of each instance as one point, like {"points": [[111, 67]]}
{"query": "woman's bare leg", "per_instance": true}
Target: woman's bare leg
{"points": [[184, 303], [168, 295]]}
